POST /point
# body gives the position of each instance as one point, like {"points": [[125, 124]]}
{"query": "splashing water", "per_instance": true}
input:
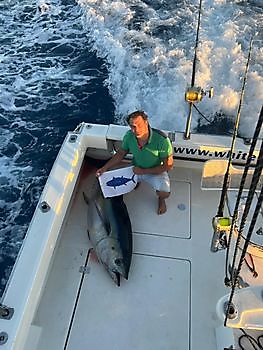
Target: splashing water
{"points": [[149, 47], [49, 82]]}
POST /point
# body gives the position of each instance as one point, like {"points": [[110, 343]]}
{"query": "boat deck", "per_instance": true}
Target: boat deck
{"points": [[174, 282]]}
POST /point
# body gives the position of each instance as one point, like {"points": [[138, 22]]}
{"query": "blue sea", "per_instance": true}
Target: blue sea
{"points": [[67, 61]]}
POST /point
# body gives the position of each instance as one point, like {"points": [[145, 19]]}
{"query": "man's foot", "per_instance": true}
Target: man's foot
{"points": [[161, 206]]}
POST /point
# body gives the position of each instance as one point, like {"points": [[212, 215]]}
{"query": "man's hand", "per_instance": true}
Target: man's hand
{"points": [[138, 171], [167, 164], [115, 160], [100, 171]]}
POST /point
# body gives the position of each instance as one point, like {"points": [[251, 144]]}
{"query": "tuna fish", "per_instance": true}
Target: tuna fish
{"points": [[110, 233]]}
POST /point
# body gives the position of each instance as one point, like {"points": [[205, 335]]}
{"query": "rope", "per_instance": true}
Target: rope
{"points": [[255, 179], [220, 210], [252, 268], [241, 187], [198, 110]]}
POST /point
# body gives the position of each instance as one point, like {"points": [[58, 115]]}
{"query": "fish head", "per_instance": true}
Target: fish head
{"points": [[115, 263], [116, 277], [116, 269], [120, 267]]}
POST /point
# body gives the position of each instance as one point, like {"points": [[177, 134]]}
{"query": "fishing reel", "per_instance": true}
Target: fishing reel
{"points": [[195, 94], [222, 227]]}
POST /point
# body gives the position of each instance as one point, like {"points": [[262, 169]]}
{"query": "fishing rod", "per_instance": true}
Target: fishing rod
{"points": [[226, 177], [196, 44], [194, 94], [239, 195], [219, 228]]}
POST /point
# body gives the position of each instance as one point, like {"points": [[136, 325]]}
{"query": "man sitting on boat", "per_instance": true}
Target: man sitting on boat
{"points": [[152, 156]]}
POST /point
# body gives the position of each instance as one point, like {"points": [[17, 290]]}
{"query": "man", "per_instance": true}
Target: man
{"points": [[152, 156]]}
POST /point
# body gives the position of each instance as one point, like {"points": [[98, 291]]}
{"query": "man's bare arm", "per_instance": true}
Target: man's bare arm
{"points": [[166, 166], [115, 160]]}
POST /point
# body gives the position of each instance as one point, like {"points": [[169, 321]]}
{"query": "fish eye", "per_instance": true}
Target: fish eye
{"points": [[112, 248], [118, 262]]}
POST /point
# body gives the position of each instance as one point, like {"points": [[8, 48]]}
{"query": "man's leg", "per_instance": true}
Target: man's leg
{"points": [[161, 201], [161, 184]]}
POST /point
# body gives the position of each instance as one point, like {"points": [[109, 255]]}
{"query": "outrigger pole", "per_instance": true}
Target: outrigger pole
{"points": [[194, 94]]}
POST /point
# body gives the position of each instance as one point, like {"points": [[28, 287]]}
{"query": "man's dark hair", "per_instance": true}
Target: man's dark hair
{"points": [[137, 114]]}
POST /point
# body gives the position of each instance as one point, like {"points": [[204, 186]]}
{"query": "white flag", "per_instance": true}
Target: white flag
{"points": [[118, 181]]}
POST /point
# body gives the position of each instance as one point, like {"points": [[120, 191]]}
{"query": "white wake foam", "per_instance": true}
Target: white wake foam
{"points": [[149, 49]]}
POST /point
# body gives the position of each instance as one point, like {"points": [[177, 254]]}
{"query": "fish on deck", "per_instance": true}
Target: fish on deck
{"points": [[110, 233]]}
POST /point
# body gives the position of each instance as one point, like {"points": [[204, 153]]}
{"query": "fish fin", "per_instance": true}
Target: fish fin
{"points": [[99, 211], [86, 199], [103, 219], [88, 234]]}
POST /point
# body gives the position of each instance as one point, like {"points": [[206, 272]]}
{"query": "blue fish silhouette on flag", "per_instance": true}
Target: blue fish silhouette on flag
{"points": [[117, 182]]}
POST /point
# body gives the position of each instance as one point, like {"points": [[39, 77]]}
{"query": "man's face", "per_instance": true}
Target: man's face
{"points": [[139, 126]]}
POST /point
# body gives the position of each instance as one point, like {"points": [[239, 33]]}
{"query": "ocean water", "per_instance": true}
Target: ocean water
{"points": [[67, 61]]}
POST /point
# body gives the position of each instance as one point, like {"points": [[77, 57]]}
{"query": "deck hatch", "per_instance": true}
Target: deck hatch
{"points": [[142, 206], [150, 311]]}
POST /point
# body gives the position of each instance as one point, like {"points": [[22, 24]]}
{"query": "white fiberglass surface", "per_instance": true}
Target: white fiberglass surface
{"points": [[140, 314], [169, 301], [175, 222]]}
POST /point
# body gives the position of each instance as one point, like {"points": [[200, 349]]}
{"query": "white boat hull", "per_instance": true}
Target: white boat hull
{"points": [[63, 299]]}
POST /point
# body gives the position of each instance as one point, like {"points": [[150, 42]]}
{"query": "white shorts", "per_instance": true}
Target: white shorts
{"points": [[160, 182]]}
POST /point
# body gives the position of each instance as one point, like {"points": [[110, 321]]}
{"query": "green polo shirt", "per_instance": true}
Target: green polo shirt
{"points": [[150, 155]]}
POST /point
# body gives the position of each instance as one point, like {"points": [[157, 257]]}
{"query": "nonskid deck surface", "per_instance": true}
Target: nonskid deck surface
{"points": [[169, 301]]}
